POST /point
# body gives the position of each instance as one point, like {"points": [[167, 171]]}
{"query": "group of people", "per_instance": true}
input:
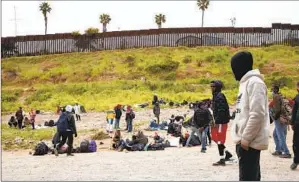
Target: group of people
{"points": [[20, 119], [113, 118]]}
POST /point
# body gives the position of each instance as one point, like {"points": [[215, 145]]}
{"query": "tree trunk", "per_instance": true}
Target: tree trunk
{"points": [[46, 27], [104, 27], [160, 25], [202, 17]]}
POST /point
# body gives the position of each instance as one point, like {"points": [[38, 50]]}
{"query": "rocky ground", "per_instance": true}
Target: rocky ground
{"points": [[172, 164]]}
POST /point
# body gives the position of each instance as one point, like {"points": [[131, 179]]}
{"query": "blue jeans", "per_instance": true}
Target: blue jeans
{"points": [[110, 121], [202, 136], [116, 125], [279, 135], [130, 125]]}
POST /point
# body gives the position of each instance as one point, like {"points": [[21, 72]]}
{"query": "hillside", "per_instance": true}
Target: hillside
{"points": [[99, 80]]}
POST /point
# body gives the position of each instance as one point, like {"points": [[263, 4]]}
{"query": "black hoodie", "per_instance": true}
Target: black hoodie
{"points": [[220, 105], [241, 63]]}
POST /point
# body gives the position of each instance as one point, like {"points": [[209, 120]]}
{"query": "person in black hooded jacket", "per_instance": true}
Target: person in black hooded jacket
{"points": [[221, 116], [295, 127]]}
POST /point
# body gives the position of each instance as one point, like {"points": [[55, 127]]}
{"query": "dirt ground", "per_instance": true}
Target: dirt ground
{"points": [[175, 164]]}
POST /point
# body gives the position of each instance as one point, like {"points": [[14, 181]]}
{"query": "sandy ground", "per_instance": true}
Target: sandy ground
{"points": [[172, 164]]}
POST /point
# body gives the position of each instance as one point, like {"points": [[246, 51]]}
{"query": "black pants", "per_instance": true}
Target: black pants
{"points": [[158, 118], [78, 117], [296, 144], [221, 148], [67, 135], [20, 124], [249, 164]]}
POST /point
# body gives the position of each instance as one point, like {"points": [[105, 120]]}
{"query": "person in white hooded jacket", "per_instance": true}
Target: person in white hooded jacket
{"points": [[250, 128]]}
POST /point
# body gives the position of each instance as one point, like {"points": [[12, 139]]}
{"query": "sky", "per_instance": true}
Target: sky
{"points": [[68, 16]]}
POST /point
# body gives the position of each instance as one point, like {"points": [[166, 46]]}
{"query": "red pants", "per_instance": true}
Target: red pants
{"points": [[219, 133]]}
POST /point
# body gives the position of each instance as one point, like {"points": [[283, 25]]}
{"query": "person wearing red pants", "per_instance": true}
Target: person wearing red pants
{"points": [[221, 115]]}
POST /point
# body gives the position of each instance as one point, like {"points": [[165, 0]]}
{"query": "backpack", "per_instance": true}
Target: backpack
{"points": [[286, 111], [41, 149], [46, 123], [84, 146], [51, 123], [92, 146], [133, 115]]}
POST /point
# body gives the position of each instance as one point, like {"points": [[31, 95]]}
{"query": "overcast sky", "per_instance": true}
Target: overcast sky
{"points": [[68, 16]]}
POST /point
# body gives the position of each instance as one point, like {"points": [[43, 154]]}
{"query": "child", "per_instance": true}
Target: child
{"points": [[110, 118]]}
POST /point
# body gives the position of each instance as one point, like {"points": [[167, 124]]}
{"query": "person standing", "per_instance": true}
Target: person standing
{"points": [[279, 133], [77, 109], [200, 125], [250, 128], [32, 115], [156, 111], [66, 128], [155, 99], [221, 117], [118, 114], [20, 116], [130, 116], [295, 127]]}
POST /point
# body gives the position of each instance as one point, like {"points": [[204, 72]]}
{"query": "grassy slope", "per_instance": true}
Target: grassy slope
{"points": [[99, 80]]}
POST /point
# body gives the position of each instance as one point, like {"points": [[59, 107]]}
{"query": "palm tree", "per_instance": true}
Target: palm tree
{"points": [[160, 19], [203, 5], [45, 8], [105, 19]]}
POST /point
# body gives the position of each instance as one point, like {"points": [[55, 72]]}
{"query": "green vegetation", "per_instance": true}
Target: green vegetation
{"points": [[13, 138], [99, 80]]}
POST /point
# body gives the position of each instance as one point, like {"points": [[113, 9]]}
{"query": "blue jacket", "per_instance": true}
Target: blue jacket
{"points": [[62, 123]]}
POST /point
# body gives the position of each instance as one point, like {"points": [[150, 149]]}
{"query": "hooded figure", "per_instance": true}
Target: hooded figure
{"points": [[251, 124]]}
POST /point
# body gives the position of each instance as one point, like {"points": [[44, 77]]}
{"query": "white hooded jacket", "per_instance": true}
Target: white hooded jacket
{"points": [[251, 124]]}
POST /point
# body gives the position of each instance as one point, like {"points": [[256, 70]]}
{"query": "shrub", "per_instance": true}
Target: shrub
{"points": [[130, 60], [76, 33], [187, 59], [283, 82], [199, 63], [166, 66], [91, 31]]}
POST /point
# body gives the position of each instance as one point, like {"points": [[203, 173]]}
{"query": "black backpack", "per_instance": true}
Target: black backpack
{"points": [[41, 149], [51, 123], [84, 146]]}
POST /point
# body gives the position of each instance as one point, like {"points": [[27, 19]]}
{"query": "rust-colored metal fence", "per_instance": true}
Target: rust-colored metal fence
{"points": [[285, 34]]}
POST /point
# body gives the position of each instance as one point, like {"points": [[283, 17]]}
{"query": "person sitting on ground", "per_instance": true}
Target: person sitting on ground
{"points": [[156, 111], [12, 122], [116, 140], [171, 119]]}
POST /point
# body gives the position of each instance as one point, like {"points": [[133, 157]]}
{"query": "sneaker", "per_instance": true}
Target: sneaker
{"points": [[287, 156], [294, 166], [221, 162], [70, 154], [228, 155], [276, 153], [203, 151], [55, 151]]}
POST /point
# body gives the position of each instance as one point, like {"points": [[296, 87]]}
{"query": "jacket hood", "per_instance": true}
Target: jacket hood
{"points": [[250, 74], [241, 63], [218, 85], [68, 108]]}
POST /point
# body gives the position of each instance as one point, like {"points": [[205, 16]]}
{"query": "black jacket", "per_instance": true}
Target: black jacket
{"points": [[220, 108], [129, 116], [118, 113], [201, 118], [295, 112]]}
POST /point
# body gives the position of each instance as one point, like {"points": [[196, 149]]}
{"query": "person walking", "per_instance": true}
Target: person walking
{"points": [[20, 116], [250, 128], [279, 133], [66, 128], [77, 109], [295, 127], [221, 115], [156, 111]]}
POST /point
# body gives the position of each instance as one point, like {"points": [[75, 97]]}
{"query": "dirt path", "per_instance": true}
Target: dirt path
{"points": [[172, 164]]}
